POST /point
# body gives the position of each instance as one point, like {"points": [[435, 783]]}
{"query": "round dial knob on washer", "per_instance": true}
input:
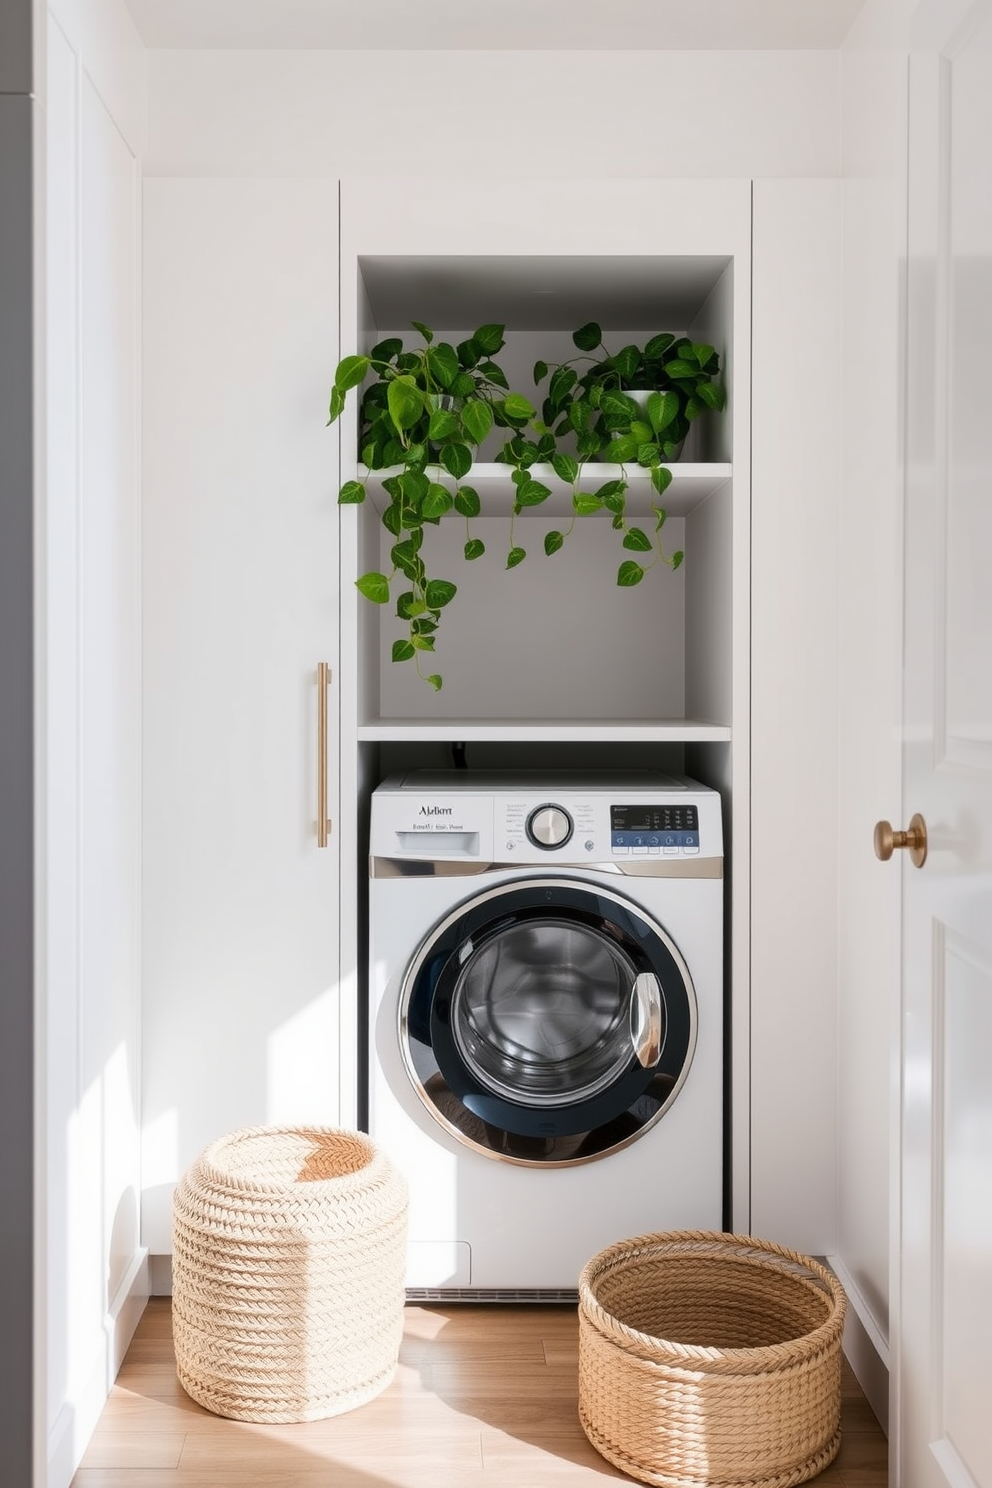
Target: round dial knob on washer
{"points": [[549, 826]]}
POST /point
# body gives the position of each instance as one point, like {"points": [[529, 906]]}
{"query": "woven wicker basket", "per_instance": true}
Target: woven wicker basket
{"points": [[289, 1254], [710, 1361]]}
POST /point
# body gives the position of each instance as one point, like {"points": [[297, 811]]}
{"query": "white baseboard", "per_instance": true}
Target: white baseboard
{"points": [[865, 1347], [125, 1311], [77, 1418]]}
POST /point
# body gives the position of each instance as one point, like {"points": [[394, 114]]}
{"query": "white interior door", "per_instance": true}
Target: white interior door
{"points": [[942, 1376]]}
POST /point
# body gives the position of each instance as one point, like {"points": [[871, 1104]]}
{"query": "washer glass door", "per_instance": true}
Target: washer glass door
{"points": [[547, 1022]]}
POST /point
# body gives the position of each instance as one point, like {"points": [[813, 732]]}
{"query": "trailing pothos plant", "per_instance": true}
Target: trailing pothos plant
{"points": [[634, 405], [428, 410]]}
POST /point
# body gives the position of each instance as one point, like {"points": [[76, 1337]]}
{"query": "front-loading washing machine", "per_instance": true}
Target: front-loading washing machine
{"points": [[545, 1021]]}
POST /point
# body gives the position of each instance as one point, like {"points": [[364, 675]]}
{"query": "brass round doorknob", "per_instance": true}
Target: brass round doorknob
{"points": [[915, 838]]}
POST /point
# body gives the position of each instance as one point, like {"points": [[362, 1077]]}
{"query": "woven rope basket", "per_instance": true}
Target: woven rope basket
{"points": [[289, 1256], [710, 1361]]}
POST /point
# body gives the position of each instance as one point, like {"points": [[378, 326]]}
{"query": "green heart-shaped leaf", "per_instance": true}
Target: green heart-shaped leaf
{"points": [[661, 409], [494, 372], [437, 501], [620, 450], [629, 574], [637, 540], [561, 384], [408, 606], [588, 337], [712, 394], [406, 402], [438, 593], [467, 502], [469, 354], [565, 467], [515, 556], [532, 493], [517, 408], [477, 419], [552, 542], [442, 363], [402, 650], [443, 425], [489, 338], [350, 372], [657, 345], [456, 459], [374, 586], [385, 351], [627, 361], [585, 504]]}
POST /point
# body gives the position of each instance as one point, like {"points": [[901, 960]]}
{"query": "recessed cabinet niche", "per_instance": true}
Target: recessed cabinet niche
{"points": [[555, 640]]}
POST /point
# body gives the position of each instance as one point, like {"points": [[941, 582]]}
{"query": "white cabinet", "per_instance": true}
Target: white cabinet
{"points": [[254, 938], [552, 664]]}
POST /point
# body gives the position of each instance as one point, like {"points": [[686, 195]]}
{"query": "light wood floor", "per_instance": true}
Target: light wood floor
{"points": [[485, 1397]]}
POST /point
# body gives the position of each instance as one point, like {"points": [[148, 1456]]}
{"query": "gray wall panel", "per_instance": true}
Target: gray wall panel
{"points": [[16, 783]]}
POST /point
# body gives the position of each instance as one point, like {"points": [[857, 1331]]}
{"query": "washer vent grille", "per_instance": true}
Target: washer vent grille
{"points": [[493, 1294]]}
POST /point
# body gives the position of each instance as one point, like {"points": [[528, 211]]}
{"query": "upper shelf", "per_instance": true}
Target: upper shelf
{"points": [[559, 731], [691, 484]]}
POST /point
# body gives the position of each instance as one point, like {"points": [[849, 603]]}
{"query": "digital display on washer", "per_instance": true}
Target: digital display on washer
{"points": [[654, 818], [658, 829]]}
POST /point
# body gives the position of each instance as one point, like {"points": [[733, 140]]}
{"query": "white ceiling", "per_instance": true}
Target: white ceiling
{"points": [[497, 25]]}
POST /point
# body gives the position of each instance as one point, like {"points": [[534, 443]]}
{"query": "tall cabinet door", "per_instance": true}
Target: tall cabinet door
{"points": [[240, 607]]}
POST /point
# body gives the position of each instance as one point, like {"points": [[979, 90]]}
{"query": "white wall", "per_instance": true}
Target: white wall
{"points": [[869, 629], [572, 115], [89, 746]]}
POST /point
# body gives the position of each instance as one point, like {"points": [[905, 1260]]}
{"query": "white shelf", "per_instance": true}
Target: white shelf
{"points": [[691, 484], [559, 731]]}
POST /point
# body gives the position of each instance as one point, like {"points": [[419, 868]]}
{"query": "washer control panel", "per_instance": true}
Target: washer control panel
{"points": [[591, 828], [672, 828], [538, 823]]}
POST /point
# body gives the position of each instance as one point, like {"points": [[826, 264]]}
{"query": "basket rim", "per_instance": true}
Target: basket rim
{"points": [[211, 1166], [748, 1249]]}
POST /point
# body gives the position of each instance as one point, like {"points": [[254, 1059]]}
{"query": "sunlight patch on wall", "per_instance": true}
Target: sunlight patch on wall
{"points": [[302, 1066]]}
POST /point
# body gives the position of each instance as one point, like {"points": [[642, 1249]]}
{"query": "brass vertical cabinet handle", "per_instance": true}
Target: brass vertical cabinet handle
{"points": [[323, 682], [915, 838]]}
